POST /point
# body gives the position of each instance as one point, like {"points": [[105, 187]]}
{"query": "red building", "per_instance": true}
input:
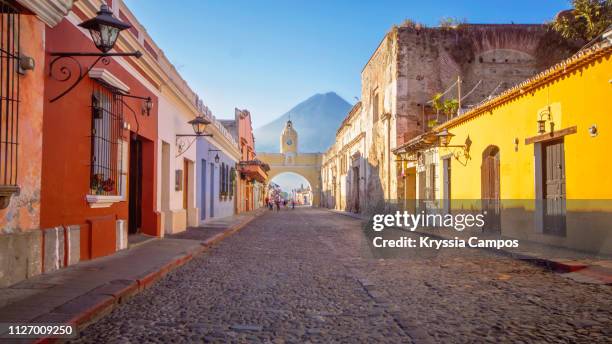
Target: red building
{"points": [[99, 141]]}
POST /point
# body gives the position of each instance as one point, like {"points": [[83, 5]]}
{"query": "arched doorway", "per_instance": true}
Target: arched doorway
{"points": [[294, 187], [490, 188]]}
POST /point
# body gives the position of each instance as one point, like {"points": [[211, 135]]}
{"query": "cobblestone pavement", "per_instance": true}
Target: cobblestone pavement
{"points": [[305, 276]]}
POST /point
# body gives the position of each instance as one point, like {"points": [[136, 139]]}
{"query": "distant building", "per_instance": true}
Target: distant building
{"points": [[302, 195], [251, 174]]}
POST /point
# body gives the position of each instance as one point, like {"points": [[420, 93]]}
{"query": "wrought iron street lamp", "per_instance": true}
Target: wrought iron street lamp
{"points": [[216, 155], [104, 29], [199, 126], [445, 137]]}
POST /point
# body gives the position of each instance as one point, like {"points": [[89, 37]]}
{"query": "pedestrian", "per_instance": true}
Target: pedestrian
{"points": [[292, 204], [278, 205]]}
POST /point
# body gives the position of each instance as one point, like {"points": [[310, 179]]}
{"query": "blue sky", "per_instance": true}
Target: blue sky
{"points": [[267, 56]]}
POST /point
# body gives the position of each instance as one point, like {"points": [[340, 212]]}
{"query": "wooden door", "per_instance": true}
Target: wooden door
{"points": [[554, 187], [185, 183], [212, 190], [135, 186], [446, 181], [203, 191], [356, 189], [490, 188], [410, 190], [422, 189]]}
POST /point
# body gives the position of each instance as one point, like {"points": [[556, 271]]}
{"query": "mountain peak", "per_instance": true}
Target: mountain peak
{"points": [[315, 119]]}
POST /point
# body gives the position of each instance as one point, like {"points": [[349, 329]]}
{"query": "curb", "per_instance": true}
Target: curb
{"points": [[103, 299]]}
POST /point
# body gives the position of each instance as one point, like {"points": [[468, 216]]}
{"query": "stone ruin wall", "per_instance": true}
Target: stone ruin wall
{"points": [[499, 56], [378, 76]]}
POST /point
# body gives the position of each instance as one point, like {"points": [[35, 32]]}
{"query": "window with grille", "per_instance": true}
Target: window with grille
{"points": [[375, 108], [225, 181], [232, 183], [106, 142], [9, 98]]}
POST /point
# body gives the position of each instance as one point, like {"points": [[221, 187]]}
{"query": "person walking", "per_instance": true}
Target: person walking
{"points": [[267, 199]]}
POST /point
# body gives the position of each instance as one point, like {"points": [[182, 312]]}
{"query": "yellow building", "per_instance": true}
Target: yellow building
{"points": [[536, 157]]}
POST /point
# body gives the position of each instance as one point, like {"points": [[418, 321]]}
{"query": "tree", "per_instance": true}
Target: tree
{"points": [[587, 20]]}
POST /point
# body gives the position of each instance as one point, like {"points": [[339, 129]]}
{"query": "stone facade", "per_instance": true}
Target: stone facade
{"points": [[344, 165]]}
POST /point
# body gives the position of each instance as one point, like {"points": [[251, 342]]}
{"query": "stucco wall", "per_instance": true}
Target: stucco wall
{"points": [[207, 191], [23, 212], [173, 118]]}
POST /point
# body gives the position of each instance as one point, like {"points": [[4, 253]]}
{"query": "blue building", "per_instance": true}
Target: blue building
{"points": [[217, 157]]}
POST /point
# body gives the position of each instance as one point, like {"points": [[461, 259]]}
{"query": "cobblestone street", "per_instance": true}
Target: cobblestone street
{"points": [[304, 275]]}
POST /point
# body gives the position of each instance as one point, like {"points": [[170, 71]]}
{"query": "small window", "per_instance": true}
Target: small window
{"points": [[375, 109], [106, 142]]}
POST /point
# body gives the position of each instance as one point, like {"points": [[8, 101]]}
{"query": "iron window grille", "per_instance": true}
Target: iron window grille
{"points": [[106, 141], [9, 100]]}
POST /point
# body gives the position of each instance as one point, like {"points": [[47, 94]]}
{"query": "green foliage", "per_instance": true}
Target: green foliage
{"points": [[451, 22], [437, 103], [587, 20], [447, 107]]}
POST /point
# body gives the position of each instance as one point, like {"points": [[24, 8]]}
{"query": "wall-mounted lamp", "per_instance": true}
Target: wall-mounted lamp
{"points": [[199, 127], [593, 130], [104, 29], [516, 144], [216, 155], [445, 137], [542, 122], [147, 106]]}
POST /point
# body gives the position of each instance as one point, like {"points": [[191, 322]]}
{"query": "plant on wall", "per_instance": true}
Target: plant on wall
{"points": [[446, 107]]}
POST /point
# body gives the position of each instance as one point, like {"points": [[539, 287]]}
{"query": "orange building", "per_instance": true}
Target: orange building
{"points": [[252, 172], [22, 101]]}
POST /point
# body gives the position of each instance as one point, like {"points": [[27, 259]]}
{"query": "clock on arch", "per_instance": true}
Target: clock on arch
{"points": [[289, 142]]}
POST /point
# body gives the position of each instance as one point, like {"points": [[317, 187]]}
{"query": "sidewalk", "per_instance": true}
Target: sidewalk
{"points": [[579, 266], [82, 293]]}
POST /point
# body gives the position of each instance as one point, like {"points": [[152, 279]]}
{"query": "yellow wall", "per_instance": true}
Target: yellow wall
{"points": [[581, 98]]}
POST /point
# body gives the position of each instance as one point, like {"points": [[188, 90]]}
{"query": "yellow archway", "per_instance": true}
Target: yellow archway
{"points": [[307, 165]]}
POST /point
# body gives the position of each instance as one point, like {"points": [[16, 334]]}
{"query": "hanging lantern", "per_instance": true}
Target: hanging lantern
{"points": [[199, 125], [445, 137], [104, 28], [541, 126]]}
